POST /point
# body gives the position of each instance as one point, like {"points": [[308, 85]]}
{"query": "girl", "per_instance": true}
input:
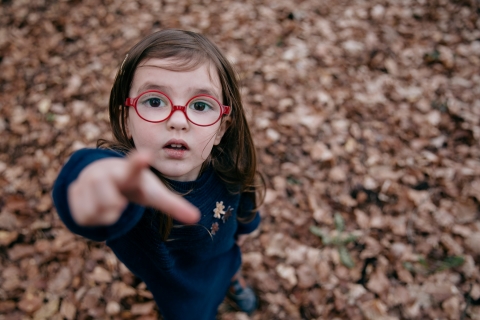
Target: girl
{"points": [[176, 188]]}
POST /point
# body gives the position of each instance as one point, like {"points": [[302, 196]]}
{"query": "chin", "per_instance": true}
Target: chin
{"points": [[180, 174]]}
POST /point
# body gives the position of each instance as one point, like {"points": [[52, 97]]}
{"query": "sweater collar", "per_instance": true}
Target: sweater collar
{"points": [[196, 185]]}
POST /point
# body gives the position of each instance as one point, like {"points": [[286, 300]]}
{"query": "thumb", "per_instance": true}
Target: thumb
{"points": [[136, 162]]}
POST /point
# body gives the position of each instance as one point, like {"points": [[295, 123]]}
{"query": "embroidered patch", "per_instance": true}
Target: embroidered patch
{"points": [[227, 214], [218, 211], [214, 228]]}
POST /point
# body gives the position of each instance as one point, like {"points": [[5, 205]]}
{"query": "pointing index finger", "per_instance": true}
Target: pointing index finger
{"points": [[145, 188]]}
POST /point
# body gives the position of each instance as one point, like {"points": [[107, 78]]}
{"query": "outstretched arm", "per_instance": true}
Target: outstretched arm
{"points": [[101, 195], [104, 188]]}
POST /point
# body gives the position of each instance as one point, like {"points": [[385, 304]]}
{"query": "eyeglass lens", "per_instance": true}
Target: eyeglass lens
{"points": [[154, 106]]}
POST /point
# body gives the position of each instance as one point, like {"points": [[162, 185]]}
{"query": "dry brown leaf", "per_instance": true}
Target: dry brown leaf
{"points": [[30, 303], [7, 237], [378, 282], [287, 273], [61, 280], [142, 308], [121, 290], [20, 251], [68, 309], [100, 275]]}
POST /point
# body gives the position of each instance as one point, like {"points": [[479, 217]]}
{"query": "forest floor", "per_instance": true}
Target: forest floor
{"points": [[366, 116]]}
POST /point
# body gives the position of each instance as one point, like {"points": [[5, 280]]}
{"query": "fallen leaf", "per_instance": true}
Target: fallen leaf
{"points": [[20, 251], [7, 237], [142, 308], [287, 273]]}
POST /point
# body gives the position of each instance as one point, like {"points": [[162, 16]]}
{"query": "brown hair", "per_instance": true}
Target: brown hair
{"points": [[234, 158]]}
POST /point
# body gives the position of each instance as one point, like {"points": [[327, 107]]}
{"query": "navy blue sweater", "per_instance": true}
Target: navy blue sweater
{"points": [[189, 274]]}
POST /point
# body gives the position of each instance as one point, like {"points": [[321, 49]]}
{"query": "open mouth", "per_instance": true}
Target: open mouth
{"points": [[175, 146]]}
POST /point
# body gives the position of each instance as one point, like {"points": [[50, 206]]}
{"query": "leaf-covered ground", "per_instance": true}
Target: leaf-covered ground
{"points": [[366, 116]]}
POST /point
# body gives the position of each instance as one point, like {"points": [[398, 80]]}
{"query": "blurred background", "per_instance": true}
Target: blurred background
{"points": [[366, 116]]}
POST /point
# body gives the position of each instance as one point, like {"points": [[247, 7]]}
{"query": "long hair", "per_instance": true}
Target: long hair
{"points": [[234, 158]]}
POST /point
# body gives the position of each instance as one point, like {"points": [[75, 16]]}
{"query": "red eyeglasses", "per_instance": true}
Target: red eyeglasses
{"points": [[155, 106]]}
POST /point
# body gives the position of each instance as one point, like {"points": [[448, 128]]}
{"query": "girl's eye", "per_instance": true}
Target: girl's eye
{"points": [[200, 106], [153, 102]]}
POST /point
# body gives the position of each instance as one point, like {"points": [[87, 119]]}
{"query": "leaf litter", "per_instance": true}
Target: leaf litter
{"points": [[366, 116]]}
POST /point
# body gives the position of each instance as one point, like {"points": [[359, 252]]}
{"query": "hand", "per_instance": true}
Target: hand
{"points": [[104, 188]]}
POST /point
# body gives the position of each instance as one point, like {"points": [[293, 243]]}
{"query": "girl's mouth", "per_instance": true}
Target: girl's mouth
{"points": [[176, 149], [175, 146]]}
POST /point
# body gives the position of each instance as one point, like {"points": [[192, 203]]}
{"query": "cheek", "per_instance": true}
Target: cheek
{"points": [[208, 136], [205, 140], [142, 133]]}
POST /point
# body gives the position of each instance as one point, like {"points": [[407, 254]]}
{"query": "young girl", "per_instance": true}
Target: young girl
{"points": [[175, 190]]}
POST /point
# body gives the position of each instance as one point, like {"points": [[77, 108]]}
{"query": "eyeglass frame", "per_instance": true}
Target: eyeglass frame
{"points": [[132, 102]]}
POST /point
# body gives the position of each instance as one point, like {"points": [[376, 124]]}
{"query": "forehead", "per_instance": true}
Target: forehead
{"points": [[177, 76]]}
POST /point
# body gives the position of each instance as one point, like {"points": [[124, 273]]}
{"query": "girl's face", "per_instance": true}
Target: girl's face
{"points": [[179, 146]]}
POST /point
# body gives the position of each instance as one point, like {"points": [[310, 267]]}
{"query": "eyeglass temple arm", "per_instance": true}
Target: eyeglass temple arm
{"points": [[129, 102], [228, 110]]}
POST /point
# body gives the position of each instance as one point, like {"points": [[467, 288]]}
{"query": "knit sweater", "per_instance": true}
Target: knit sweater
{"points": [[189, 274]]}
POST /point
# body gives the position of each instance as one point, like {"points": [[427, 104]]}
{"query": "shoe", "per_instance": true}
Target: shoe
{"points": [[243, 297]]}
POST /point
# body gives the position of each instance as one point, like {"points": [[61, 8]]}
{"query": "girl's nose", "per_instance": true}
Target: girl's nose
{"points": [[178, 121]]}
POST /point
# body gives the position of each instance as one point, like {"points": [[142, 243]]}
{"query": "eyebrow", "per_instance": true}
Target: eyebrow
{"points": [[166, 89]]}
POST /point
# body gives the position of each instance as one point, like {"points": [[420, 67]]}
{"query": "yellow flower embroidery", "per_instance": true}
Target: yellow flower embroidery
{"points": [[218, 210]]}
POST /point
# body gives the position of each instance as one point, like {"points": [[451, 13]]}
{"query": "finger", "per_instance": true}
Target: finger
{"points": [[160, 197], [180, 209]]}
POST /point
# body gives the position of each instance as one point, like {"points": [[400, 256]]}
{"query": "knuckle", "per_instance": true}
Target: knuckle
{"points": [[110, 218], [120, 205], [82, 216]]}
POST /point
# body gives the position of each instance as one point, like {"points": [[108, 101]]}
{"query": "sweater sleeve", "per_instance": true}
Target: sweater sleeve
{"points": [[69, 173], [246, 205], [244, 228]]}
